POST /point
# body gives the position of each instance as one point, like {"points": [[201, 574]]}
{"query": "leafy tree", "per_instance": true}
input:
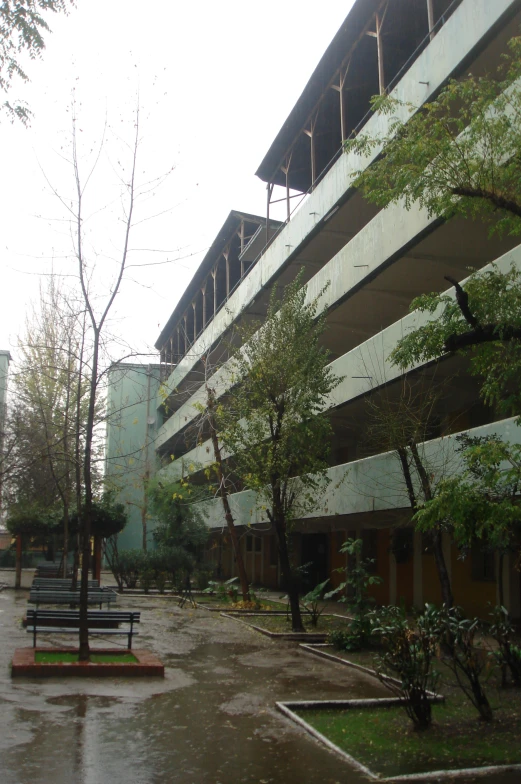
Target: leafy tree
{"points": [[274, 424], [179, 524], [49, 417], [405, 666], [97, 303], [459, 156], [481, 502], [401, 423], [22, 27], [208, 422], [358, 580], [31, 520], [484, 321]]}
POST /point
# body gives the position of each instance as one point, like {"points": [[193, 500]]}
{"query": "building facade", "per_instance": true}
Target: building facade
{"points": [[375, 262]]}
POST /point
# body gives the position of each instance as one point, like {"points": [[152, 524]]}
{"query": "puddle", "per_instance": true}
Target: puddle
{"points": [[210, 721]]}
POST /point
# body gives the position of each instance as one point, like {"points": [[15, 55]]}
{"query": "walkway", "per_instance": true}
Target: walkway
{"points": [[211, 721]]}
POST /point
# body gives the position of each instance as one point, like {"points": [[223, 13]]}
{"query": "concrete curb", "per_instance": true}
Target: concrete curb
{"points": [[287, 708], [146, 664], [314, 650], [295, 636]]}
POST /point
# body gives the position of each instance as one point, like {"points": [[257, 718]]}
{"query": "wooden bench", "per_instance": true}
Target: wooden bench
{"points": [[59, 584], [51, 570], [100, 622], [99, 596]]}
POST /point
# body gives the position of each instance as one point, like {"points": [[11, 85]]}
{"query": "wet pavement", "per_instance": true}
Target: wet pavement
{"points": [[211, 720]]}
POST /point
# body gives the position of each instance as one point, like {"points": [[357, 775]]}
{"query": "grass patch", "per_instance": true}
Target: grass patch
{"points": [[218, 603], [383, 738], [385, 741], [64, 657], [282, 624]]}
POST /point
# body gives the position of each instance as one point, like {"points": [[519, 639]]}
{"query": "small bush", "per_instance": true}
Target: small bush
{"points": [[508, 654], [464, 657], [408, 655], [131, 563], [344, 640]]}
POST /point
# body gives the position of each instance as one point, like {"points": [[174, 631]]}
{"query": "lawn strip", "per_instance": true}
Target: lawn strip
{"points": [[382, 741]]}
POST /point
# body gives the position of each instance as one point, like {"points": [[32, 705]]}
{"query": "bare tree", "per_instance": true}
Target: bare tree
{"points": [[97, 307]]}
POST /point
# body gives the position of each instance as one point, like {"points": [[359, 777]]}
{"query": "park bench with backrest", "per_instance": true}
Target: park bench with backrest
{"points": [[100, 622], [99, 596], [59, 584], [52, 570]]}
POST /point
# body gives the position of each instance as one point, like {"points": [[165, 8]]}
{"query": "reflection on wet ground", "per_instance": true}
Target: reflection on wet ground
{"points": [[210, 721]]}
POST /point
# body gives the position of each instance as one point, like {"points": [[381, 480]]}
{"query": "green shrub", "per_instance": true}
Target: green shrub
{"points": [[508, 654], [130, 564], [409, 652]]}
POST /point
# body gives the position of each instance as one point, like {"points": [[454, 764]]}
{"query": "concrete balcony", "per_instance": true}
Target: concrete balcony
{"points": [[374, 484], [460, 40]]}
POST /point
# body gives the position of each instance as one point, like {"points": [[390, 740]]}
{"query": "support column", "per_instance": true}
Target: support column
{"points": [[226, 254], [285, 170], [269, 188], [203, 292], [342, 96], [214, 276], [311, 134], [430, 16], [379, 44], [194, 308]]}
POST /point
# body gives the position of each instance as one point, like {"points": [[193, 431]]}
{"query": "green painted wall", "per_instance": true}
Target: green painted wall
{"points": [[130, 447]]}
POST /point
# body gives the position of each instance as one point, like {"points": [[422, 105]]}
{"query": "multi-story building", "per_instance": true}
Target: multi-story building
{"points": [[375, 261]]}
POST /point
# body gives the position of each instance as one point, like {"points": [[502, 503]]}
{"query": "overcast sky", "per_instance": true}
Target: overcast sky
{"points": [[215, 80]]}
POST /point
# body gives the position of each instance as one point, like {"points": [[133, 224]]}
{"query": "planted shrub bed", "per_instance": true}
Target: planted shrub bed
{"points": [[384, 740], [281, 624]]}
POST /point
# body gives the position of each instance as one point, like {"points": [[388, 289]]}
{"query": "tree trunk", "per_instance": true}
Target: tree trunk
{"points": [[96, 561], [290, 584], [223, 493], [18, 574], [441, 566], [500, 569]]}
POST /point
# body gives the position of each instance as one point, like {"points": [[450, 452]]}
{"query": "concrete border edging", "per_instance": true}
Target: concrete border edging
{"points": [[288, 707], [295, 636], [147, 664], [313, 649]]}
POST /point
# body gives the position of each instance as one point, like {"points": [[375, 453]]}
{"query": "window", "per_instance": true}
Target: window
{"points": [[483, 564], [253, 543], [274, 553], [370, 548]]}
